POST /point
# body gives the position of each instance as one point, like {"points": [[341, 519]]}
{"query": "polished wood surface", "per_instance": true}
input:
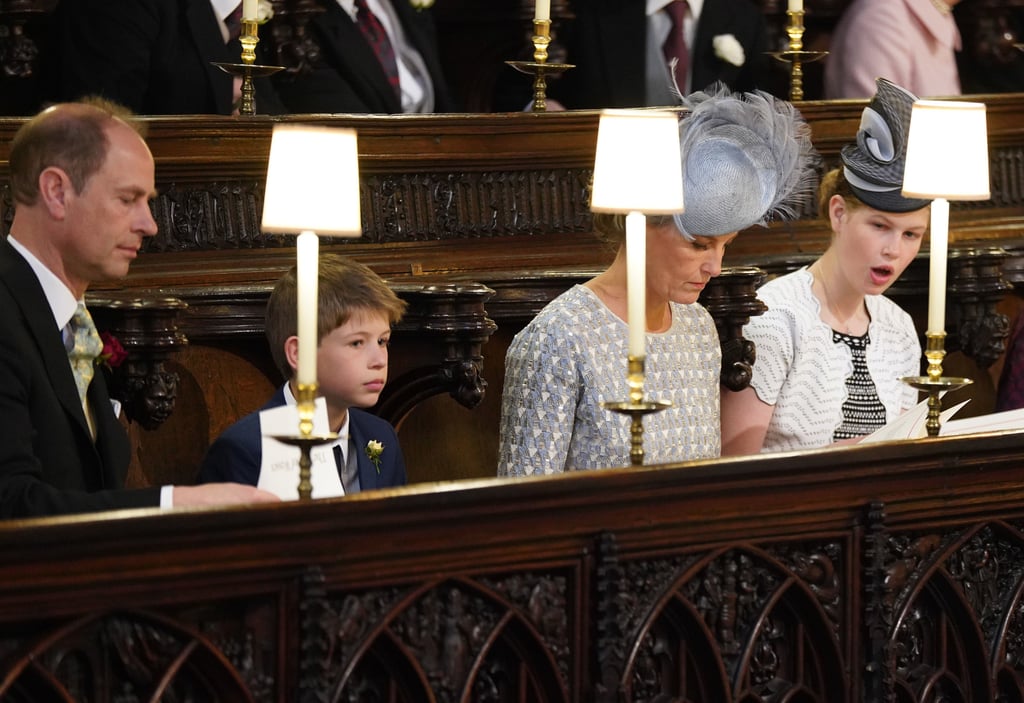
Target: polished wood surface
{"points": [[862, 574]]}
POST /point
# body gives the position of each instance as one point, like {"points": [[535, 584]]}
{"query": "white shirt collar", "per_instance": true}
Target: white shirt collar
{"points": [[223, 8], [349, 6], [62, 301], [655, 6], [289, 399]]}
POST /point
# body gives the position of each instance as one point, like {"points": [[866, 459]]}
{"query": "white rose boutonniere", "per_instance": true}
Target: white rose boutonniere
{"points": [[374, 448], [422, 4], [264, 11], [728, 48]]}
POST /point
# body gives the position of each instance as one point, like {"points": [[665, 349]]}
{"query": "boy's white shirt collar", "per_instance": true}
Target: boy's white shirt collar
{"points": [[342, 441]]}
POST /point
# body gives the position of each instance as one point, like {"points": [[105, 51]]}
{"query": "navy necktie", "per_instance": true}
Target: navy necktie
{"points": [[374, 32]]}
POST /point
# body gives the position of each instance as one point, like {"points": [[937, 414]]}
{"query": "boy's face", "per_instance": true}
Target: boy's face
{"points": [[352, 361]]}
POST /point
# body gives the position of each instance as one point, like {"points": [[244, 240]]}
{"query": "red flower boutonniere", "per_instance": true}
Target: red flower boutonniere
{"points": [[113, 354]]}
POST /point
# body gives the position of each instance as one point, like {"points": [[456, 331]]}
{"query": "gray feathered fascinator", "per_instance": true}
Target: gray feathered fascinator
{"points": [[746, 157]]}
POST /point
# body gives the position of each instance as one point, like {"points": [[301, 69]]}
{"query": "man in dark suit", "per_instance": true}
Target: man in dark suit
{"points": [[619, 60], [356, 311], [81, 178], [152, 56], [350, 77]]}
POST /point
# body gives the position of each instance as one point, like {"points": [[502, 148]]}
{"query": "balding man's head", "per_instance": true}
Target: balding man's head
{"points": [[69, 136]]}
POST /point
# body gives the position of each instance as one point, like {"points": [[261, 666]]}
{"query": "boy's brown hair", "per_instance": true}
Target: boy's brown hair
{"points": [[346, 288]]}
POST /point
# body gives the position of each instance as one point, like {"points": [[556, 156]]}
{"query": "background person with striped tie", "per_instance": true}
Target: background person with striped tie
{"points": [[81, 178], [376, 56]]}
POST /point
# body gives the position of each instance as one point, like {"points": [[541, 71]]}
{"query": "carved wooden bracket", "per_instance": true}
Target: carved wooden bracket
{"points": [[18, 51], [293, 46], [456, 316], [732, 300], [977, 285], [148, 331]]}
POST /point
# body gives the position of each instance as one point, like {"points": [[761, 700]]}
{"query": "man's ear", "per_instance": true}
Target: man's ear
{"points": [[54, 189], [291, 352]]}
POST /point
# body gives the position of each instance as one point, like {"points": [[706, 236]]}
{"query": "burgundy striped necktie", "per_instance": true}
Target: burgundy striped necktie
{"points": [[374, 32], [234, 23], [675, 46]]}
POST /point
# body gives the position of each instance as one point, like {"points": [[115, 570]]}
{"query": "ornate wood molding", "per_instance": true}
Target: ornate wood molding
{"points": [[855, 574]]}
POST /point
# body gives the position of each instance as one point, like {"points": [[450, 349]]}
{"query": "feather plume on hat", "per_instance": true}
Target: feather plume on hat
{"points": [[746, 157]]}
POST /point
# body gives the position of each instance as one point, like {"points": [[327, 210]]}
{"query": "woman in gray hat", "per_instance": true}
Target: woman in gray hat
{"points": [[745, 157], [831, 348]]}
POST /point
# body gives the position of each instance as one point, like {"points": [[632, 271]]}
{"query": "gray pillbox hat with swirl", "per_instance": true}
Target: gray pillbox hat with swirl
{"points": [[873, 165]]}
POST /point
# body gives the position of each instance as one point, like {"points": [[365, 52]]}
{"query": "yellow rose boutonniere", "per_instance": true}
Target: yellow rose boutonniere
{"points": [[373, 451]]}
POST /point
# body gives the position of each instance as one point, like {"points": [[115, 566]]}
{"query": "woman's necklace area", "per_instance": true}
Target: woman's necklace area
{"points": [[855, 324]]}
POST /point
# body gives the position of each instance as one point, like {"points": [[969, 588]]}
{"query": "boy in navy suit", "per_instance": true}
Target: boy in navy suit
{"points": [[356, 312]]}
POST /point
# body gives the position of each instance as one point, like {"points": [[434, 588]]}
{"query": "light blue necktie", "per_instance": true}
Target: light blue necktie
{"points": [[85, 347]]}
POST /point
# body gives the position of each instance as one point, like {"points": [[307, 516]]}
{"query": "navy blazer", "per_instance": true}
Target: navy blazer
{"points": [[49, 464], [152, 56], [348, 77], [607, 43], [238, 453]]}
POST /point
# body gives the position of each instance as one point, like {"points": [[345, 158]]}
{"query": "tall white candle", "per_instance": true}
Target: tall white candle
{"points": [[249, 9], [542, 11], [636, 282], [307, 280], [937, 266], [796, 5]]}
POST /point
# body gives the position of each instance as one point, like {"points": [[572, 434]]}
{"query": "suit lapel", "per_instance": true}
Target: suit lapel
{"points": [[347, 51], [205, 30], [624, 59], [28, 294], [369, 478]]}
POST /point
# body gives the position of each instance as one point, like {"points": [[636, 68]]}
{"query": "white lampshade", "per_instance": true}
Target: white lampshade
{"points": [[947, 151], [637, 167], [312, 181]]}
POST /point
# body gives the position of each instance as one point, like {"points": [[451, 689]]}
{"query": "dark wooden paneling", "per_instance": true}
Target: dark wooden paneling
{"points": [[853, 574]]}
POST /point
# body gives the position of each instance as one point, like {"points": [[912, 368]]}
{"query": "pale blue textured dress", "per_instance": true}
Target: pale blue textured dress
{"points": [[572, 356]]}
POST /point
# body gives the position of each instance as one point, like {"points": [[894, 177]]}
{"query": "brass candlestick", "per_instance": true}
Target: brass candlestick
{"points": [[636, 408], [934, 383], [248, 68], [795, 55], [306, 440], [540, 67]]}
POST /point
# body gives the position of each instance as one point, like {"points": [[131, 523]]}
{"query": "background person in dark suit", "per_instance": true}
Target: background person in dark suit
{"points": [[152, 56], [349, 76], [81, 178], [616, 46], [356, 311]]}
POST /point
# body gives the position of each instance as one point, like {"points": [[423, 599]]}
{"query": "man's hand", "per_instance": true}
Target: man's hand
{"points": [[220, 494]]}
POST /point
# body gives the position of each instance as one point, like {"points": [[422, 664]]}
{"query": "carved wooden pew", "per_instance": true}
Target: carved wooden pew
{"points": [[851, 575]]}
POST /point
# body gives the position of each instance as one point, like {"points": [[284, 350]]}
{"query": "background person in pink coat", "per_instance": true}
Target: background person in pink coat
{"points": [[913, 43]]}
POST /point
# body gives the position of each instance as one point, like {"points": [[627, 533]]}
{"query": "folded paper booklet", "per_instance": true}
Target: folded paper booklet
{"points": [[279, 472], [1007, 420], [911, 424]]}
